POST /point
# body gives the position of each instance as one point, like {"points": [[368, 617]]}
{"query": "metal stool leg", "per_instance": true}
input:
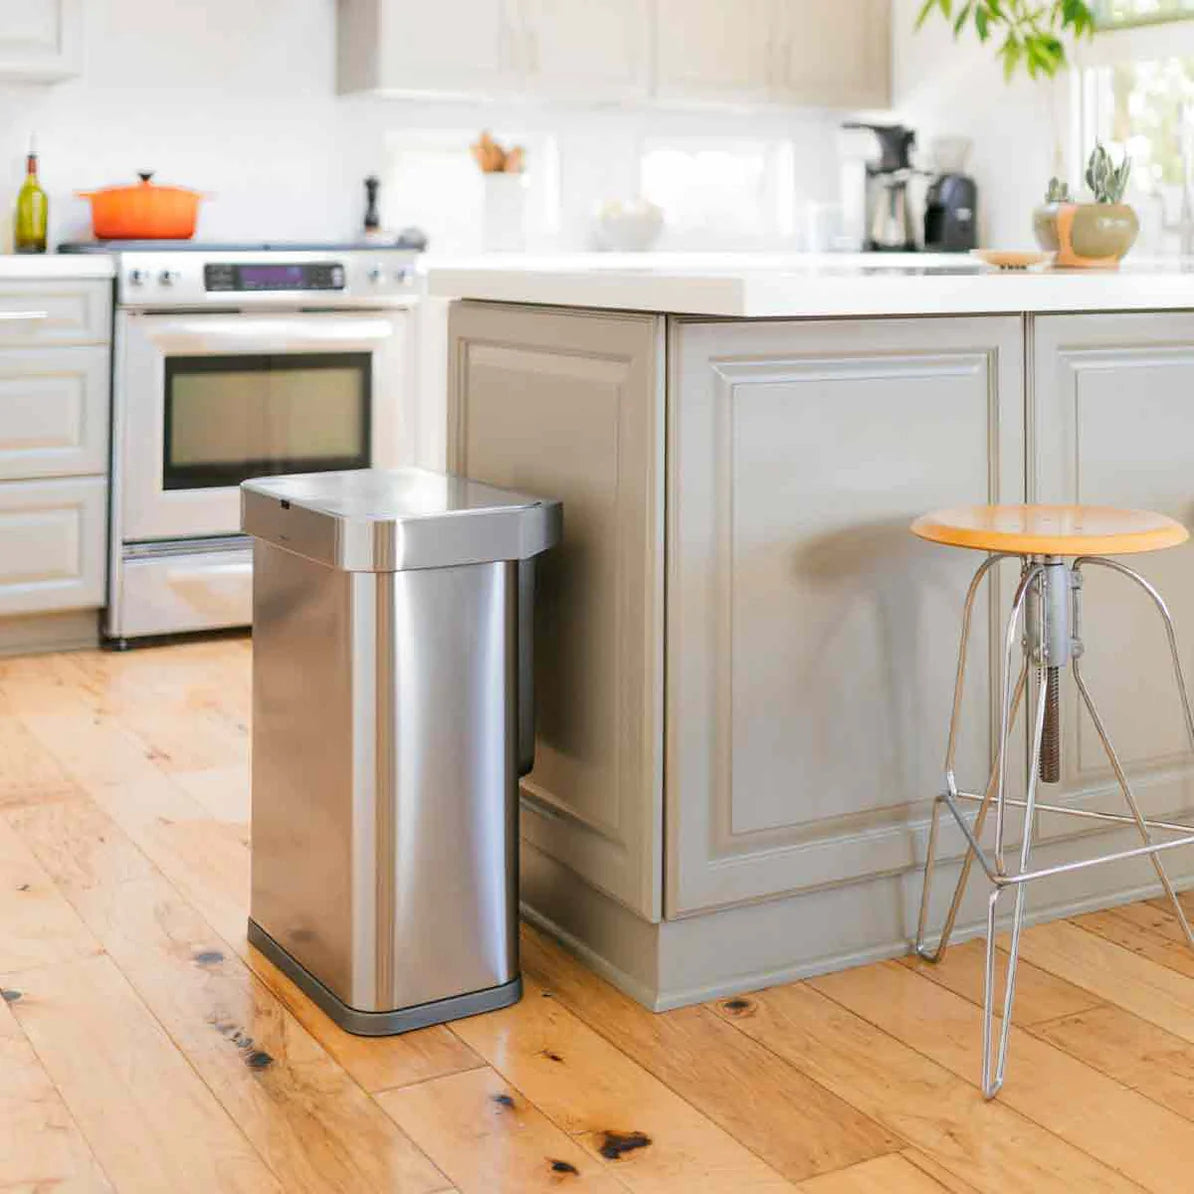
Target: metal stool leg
{"points": [[951, 783], [1010, 706], [993, 1081], [1109, 749]]}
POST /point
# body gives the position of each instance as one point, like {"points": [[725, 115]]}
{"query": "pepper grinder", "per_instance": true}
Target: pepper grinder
{"points": [[372, 216]]}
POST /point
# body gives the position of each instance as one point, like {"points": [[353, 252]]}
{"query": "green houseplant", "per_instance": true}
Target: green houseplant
{"points": [[1031, 33], [1089, 234]]}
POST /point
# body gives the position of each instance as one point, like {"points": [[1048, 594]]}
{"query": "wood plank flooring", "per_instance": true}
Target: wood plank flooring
{"points": [[146, 1047]]}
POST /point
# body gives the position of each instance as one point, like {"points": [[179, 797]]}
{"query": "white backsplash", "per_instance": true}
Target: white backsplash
{"points": [[237, 99]]}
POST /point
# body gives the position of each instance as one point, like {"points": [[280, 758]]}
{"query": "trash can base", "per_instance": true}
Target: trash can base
{"points": [[405, 1019]]}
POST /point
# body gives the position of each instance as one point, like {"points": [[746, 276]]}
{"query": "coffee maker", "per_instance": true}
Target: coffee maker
{"points": [[891, 223], [951, 203]]}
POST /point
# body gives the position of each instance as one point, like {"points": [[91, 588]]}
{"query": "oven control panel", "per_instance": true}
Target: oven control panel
{"points": [[251, 278], [264, 275]]}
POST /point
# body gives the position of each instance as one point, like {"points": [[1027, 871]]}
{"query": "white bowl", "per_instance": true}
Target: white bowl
{"points": [[628, 227]]}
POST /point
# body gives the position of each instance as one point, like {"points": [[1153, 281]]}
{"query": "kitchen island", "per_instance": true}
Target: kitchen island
{"points": [[744, 659]]}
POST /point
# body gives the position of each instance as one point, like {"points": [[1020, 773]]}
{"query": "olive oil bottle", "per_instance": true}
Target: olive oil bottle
{"points": [[33, 210]]}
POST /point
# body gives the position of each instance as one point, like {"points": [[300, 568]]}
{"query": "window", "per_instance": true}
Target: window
{"points": [[1116, 13], [1146, 108], [1137, 94]]}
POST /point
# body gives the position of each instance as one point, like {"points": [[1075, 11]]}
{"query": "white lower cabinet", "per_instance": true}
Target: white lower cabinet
{"points": [[52, 544], [53, 412], [54, 417]]}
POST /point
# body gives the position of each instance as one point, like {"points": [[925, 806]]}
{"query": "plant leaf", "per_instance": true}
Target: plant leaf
{"points": [[927, 10]]}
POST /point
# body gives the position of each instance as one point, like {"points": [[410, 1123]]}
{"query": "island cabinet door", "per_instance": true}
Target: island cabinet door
{"points": [[570, 406], [811, 639], [1112, 423]]}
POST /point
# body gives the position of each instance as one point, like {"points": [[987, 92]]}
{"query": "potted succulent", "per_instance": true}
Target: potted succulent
{"points": [[1090, 235]]}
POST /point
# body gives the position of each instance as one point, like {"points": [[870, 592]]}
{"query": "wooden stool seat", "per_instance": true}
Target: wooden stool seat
{"points": [[1051, 530]]}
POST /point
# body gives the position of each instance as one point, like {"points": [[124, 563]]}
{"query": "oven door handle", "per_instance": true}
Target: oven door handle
{"points": [[23, 316], [248, 334]]}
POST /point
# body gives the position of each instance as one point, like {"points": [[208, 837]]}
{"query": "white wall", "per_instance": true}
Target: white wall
{"points": [[237, 98], [1019, 129]]}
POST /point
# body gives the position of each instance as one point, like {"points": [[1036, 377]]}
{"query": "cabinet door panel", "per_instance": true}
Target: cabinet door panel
{"points": [[706, 49], [837, 55], [571, 407], [53, 412], [52, 544], [591, 51], [811, 638], [1112, 409], [40, 39], [462, 47], [54, 313]]}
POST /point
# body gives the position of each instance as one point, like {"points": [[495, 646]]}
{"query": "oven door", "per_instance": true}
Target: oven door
{"points": [[205, 401]]}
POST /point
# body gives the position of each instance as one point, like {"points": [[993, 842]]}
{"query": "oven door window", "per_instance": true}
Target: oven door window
{"points": [[228, 418]]}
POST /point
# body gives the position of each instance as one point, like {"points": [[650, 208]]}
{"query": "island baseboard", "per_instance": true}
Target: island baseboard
{"points": [[675, 963]]}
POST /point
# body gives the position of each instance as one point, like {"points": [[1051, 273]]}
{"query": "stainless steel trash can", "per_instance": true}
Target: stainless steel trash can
{"points": [[391, 677]]}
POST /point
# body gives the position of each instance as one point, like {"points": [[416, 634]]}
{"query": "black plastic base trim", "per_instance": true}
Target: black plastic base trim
{"points": [[405, 1019], [137, 641]]}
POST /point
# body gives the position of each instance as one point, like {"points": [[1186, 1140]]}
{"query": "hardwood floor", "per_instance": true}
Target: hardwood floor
{"points": [[145, 1047]]}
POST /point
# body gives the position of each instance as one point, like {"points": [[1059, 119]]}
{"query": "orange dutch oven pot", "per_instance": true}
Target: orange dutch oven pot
{"points": [[143, 212]]}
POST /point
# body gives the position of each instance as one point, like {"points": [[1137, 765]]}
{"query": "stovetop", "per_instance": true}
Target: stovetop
{"points": [[402, 244]]}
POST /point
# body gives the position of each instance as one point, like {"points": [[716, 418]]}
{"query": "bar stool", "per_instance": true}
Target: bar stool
{"points": [[1049, 597]]}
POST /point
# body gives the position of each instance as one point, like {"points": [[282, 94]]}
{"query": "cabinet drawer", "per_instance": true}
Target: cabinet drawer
{"points": [[53, 412], [52, 544], [71, 312]]}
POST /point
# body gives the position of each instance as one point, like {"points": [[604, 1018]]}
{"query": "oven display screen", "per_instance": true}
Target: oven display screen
{"points": [[317, 275], [271, 277]]}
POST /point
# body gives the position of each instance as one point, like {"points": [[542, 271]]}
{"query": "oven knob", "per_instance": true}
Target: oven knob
{"points": [[402, 276], [137, 277], [375, 274], [168, 277]]}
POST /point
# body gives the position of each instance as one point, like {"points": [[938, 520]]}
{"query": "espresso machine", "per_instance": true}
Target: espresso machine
{"points": [[891, 223]]}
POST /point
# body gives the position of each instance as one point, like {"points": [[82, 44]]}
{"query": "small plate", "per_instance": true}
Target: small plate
{"points": [[1012, 258]]}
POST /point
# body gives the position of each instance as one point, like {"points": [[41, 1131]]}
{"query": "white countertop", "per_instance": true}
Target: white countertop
{"points": [[760, 286], [39, 267]]}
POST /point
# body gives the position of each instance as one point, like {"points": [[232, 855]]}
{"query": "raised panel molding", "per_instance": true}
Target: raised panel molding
{"points": [[59, 313], [52, 544], [1112, 404], [53, 412], [571, 406], [846, 432]]}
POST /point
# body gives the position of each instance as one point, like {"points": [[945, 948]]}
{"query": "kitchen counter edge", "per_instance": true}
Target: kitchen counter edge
{"points": [[812, 292]]}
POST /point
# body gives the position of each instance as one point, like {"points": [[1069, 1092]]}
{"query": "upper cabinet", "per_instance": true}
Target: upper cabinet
{"points": [[796, 52], [708, 50], [449, 47], [41, 40], [833, 55], [576, 48]]}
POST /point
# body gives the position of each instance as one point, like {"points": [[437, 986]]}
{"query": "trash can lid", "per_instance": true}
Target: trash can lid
{"points": [[391, 520]]}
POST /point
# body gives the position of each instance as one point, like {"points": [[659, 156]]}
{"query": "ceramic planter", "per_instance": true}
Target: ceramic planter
{"points": [[1088, 235]]}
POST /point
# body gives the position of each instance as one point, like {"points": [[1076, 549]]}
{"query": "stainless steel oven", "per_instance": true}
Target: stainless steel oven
{"points": [[230, 365]]}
